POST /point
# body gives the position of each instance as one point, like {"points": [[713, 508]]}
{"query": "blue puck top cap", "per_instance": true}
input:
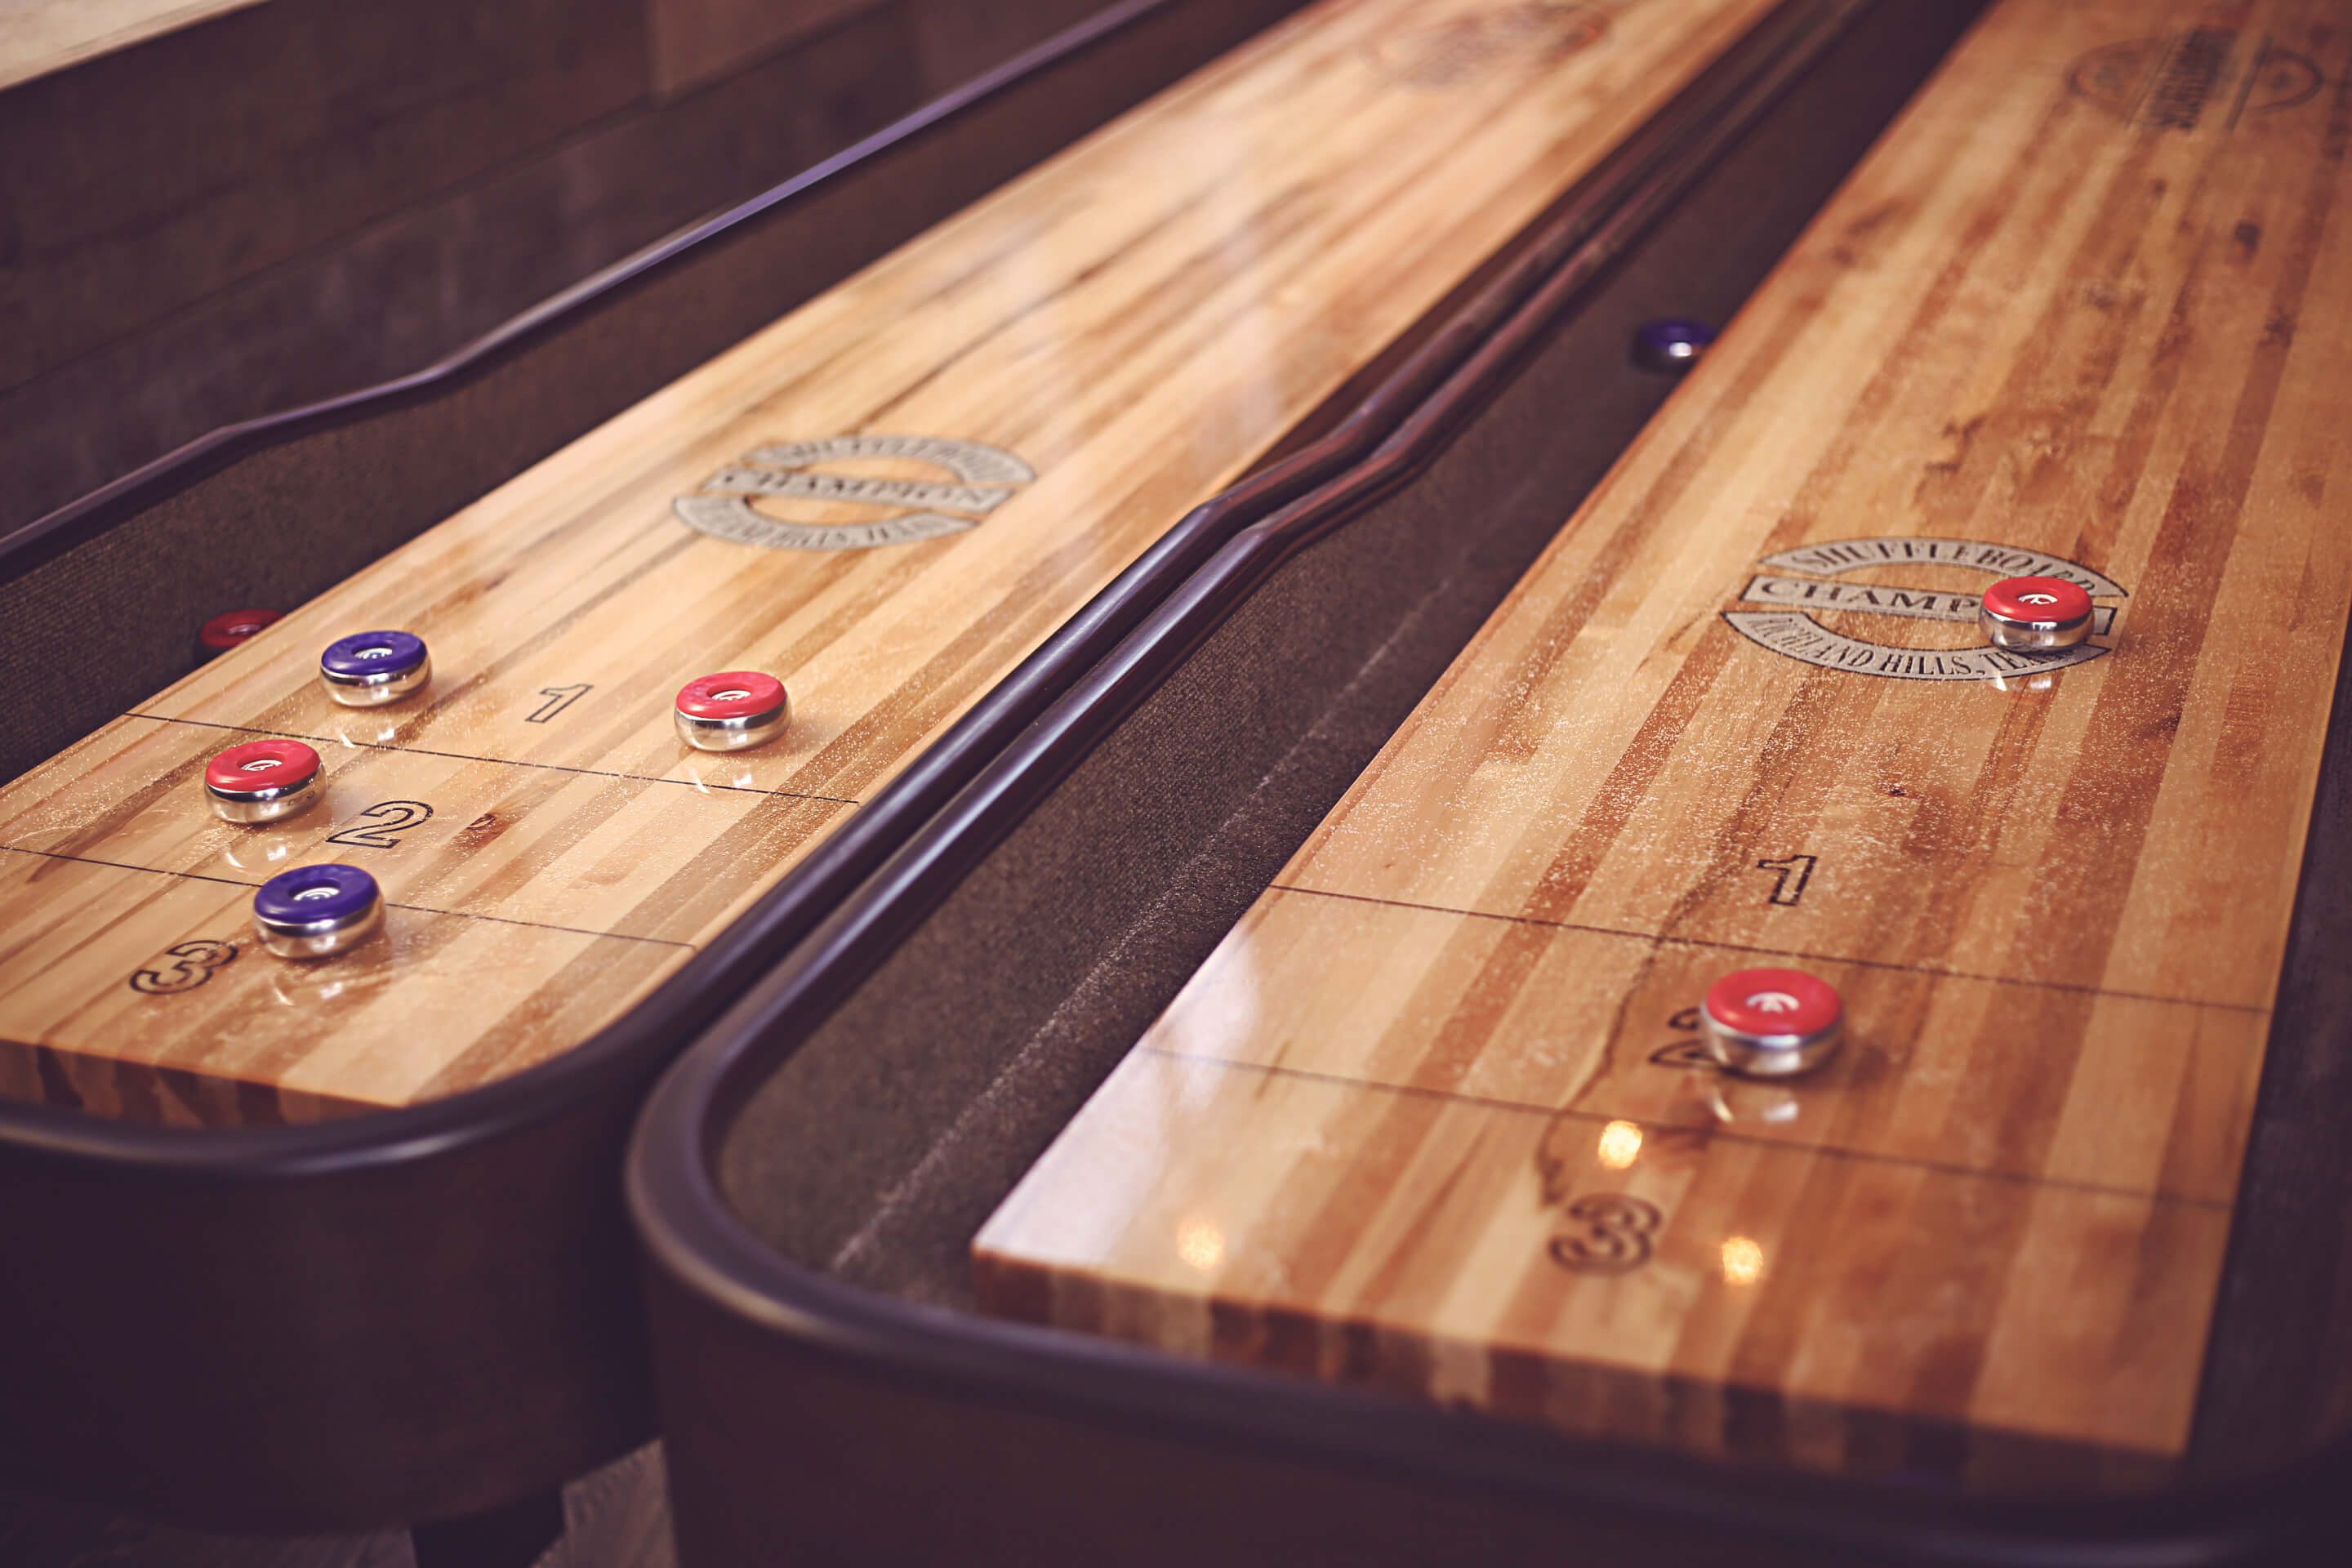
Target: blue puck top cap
{"points": [[365, 653], [1674, 337], [310, 895]]}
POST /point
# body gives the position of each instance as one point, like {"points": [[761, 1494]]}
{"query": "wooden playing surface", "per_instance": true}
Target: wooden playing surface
{"points": [[1434, 1117], [1134, 323]]}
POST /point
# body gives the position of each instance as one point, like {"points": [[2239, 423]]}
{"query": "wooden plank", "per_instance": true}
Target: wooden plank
{"points": [[1432, 1116], [144, 182], [1122, 334], [38, 37], [533, 208], [690, 42]]}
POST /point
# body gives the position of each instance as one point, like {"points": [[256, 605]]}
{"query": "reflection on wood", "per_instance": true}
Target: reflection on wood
{"points": [[1433, 1117], [1098, 347]]}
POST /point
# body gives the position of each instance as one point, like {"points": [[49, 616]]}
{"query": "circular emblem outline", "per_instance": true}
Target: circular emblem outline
{"points": [[2167, 83], [986, 478], [1789, 628]]}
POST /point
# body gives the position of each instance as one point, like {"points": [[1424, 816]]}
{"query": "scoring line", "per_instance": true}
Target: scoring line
{"points": [[504, 762], [1600, 1118], [417, 908], [2070, 986]]}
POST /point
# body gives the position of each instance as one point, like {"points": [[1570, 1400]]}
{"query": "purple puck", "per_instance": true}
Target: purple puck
{"points": [[313, 912], [1671, 343], [368, 667]]}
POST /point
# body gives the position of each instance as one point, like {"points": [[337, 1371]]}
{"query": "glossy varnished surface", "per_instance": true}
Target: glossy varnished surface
{"points": [[1434, 1118], [1135, 323]]}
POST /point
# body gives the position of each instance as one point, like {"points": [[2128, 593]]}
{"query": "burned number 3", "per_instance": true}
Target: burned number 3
{"points": [[1608, 1233], [183, 967]]}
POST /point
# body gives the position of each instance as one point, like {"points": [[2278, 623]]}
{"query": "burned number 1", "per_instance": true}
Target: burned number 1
{"points": [[1789, 886], [558, 698]]}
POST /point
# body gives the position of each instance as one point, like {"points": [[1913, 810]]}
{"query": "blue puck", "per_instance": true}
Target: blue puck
{"points": [[368, 667], [314, 911], [1671, 342]]}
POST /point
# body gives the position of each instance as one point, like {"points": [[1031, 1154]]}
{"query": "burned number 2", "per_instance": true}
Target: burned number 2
{"points": [[392, 818]]}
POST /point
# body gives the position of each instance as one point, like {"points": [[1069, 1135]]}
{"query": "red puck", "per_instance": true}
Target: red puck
{"points": [[2047, 600], [1760, 1001], [258, 766], [732, 694], [226, 631]]}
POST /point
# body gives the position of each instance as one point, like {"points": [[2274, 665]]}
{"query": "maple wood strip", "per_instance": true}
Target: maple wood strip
{"points": [[1781, 955], [1429, 1117], [1705, 1265], [158, 1097], [1602, 1123], [462, 757], [1112, 339], [419, 909], [2150, 1097]]}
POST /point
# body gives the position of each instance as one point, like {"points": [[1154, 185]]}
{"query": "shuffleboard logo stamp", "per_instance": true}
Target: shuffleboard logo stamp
{"points": [[1534, 32], [981, 478], [2206, 76], [1786, 621]]}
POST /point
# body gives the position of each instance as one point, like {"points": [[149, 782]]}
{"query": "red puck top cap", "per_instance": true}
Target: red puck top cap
{"points": [[1774, 1002], [732, 694], [261, 765], [2037, 599], [226, 631]]}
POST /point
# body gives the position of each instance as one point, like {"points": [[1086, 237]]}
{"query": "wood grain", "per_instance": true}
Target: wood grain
{"points": [[1136, 322], [416, 270], [38, 37], [1433, 1116], [140, 183], [689, 42]]}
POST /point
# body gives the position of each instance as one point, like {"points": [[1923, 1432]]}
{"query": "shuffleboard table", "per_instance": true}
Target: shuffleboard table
{"points": [[213, 211], [1738, 1054], [618, 650]]}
